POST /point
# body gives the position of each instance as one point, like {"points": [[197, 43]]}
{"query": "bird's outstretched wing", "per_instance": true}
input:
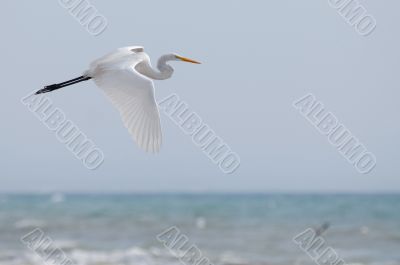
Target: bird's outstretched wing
{"points": [[133, 95]]}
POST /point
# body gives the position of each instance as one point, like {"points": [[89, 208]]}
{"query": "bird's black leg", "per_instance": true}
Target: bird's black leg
{"points": [[52, 87]]}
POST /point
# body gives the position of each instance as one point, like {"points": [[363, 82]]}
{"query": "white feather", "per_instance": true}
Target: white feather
{"points": [[131, 93]]}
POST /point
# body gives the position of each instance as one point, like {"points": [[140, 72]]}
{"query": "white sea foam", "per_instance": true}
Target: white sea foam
{"points": [[132, 256], [137, 256], [201, 222]]}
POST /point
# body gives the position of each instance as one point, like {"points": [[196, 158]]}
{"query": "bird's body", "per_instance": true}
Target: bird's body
{"points": [[126, 77]]}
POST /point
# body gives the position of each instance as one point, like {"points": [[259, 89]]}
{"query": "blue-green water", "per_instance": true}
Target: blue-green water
{"points": [[228, 229]]}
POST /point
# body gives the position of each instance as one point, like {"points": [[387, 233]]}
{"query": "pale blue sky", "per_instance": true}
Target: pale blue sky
{"points": [[258, 57]]}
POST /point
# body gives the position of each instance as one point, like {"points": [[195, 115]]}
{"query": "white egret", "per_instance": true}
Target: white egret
{"points": [[126, 76]]}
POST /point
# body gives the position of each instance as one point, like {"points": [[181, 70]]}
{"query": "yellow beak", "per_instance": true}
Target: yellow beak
{"points": [[187, 59]]}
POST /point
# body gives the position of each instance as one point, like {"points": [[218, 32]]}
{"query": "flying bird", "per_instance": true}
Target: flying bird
{"points": [[126, 77]]}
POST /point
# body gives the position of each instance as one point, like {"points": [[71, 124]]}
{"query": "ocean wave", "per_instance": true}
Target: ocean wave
{"points": [[65, 244], [57, 198], [139, 256], [30, 223], [229, 257], [132, 256], [3, 198]]}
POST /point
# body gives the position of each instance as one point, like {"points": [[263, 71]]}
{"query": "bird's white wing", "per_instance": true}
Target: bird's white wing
{"points": [[115, 55], [133, 95]]}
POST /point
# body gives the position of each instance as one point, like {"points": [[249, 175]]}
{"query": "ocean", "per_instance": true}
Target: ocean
{"points": [[228, 229]]}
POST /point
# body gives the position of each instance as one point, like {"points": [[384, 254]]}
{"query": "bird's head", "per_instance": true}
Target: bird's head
{"points": [[165, 70]]}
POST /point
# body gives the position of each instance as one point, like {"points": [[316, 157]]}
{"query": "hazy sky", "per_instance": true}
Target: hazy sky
{"points": [[258, 57]]}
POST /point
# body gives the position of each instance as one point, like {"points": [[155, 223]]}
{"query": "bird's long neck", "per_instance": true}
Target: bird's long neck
{"points": [[163, 71]]}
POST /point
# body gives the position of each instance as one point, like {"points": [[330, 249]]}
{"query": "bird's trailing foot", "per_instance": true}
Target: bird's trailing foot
{"points": [[47, 89]]}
